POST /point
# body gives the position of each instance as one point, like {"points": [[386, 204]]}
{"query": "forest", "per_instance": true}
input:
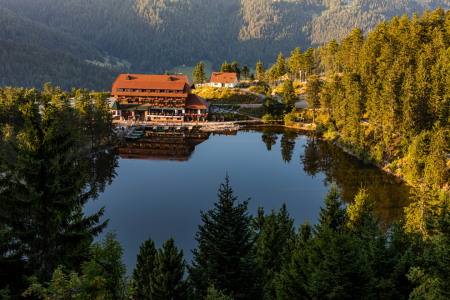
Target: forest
{"points": [[159, 35], [26, 65]]}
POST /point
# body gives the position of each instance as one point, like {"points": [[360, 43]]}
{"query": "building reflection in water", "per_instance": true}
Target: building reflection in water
{"points": [[165, 145]]}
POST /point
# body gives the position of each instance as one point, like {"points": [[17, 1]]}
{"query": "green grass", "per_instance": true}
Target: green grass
{"points": [[187, 71]]}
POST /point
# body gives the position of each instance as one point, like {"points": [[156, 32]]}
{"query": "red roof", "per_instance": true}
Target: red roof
{"points": [[220, 77], [196, 102], [129, 94], [163, 82]]}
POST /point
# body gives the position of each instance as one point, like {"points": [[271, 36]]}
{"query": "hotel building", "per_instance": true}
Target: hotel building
{"points": [[157, 98]]}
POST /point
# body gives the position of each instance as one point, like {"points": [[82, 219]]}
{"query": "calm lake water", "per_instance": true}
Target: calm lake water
{"points": [[158, 192]]}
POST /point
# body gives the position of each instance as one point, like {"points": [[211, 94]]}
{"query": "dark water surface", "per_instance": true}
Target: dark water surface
{"points": [[150, 190]]}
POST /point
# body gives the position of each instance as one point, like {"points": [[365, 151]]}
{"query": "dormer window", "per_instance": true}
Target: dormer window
{"points": [[128, 77]]}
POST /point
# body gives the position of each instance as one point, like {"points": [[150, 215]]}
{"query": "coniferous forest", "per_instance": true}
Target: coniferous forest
{"points": [[383, 96], [155, 36]]}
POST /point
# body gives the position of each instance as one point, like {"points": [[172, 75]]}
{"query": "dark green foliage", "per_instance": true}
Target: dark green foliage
{"points": [[144, 271], [226, 67], [167, 280], [342, 274], [41, 196], [276, 240], [225, 256], [23, 65], [198, 74], [313, 88], [334, 214], [289, 96]]}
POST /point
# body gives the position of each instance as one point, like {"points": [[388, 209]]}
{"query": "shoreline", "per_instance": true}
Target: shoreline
{"points": [[335, 144]]}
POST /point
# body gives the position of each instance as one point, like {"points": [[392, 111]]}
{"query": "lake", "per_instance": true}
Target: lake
{"points": [[156, 186]]}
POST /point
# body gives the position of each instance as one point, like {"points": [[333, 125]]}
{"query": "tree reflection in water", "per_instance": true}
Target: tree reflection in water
{"points": [[101, 169], [389, 193], [269, 137], [288, 144]]}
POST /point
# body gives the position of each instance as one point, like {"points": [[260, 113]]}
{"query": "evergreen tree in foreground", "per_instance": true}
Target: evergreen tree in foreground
{"points": [[167, 280], [42, 195], [225, 256], [289, 96], [143, 272]]}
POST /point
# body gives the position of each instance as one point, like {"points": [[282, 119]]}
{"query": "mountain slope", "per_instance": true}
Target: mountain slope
{"points": [[23, 65], [24, 30], [157, 35]]}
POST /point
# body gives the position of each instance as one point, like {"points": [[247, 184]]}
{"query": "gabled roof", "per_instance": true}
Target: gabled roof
{"points": [[115, 105], [163, 82], [221, 77], [196, 102]]}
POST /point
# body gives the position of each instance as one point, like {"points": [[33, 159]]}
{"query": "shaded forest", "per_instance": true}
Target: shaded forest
{"points": [[30, 66], [158, 35]]}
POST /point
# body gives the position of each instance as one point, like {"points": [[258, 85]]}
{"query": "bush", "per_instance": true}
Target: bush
{"points": [[267, 118], [331, 135], [289, 119], [321, 128]]}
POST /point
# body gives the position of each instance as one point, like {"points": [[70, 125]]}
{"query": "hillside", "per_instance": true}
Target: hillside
{"points": [[24, 65], [24, 30], [158, 35]]}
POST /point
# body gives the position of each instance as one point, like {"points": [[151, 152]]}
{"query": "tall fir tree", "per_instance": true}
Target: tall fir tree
{"points": [[235, 69], [225, 256], [169, 267], [289, 96], [42, 195], [281, 66], [226, 67], [144, 271], [313, 88], [260, 71], [245, 72]]}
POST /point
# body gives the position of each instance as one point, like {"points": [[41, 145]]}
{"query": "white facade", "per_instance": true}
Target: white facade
{"points": [[228, 85]]}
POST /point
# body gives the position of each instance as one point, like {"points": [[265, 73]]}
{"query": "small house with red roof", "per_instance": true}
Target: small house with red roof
{"points": [[222, 79], [157, 98]]}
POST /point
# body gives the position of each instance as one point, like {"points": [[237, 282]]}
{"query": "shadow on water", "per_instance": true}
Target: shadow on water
{"points": [[389, 193]]}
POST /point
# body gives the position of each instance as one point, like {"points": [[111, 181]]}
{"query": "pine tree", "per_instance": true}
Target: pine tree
{"points": [[167, 281], [235, 69], [43, 193], [289, 96], [226, 67], [198, 74], [313, 88], [333, 215], [342, 274], [225, 256], [144, 270], [275, 243], [245, 72], [359, 211], [260, 71], [281, 66]]}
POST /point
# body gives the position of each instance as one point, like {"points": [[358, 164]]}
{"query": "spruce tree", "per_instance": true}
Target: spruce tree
{"points": [[333, 215], [359, 211], [289, 96], [235, 69], [281, 66], [260, 71], [144, 270], [167, 281], [245, 72], [342, 274], [226, 67], [42, 195], [313, 88], [225, 256]]}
